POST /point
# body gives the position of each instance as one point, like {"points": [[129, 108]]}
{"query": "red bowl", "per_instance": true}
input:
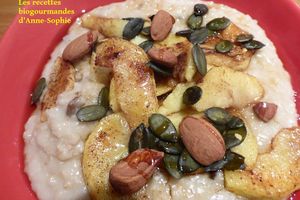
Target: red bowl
{"points": [[25, 48]]}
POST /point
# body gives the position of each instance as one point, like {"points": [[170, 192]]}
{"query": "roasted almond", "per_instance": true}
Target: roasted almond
{"points": [[202, 140], [80, 46], [265, 111], [163, 56], [161, 26], [132, 173]]}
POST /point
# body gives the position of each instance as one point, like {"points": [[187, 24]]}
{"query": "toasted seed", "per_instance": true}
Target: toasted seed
{"points": [[160, 70], [224, 46], [253, 44], [103, 97], [38, 90], [200, 9], [91, 113], [199, 59], [136, 138], [170, 147], [244, 37], [218, 24], [146, 45], [171, 165], [231, 139], [184, 33], [212, 33], [186, 163], [199, 36], [231, 161], [218, 115], [133, 28], [235, 122], [146, 31], [194, 22], [192, 95], [163, 128]]}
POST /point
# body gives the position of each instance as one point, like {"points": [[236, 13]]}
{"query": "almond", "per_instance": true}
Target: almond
{"points": [[202, 140], [163, 56], [80, 46], [265, 111], [161, 26], [132, 173]]}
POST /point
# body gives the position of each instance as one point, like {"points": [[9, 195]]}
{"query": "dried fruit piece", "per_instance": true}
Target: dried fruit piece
{"points": [[132, 173]]}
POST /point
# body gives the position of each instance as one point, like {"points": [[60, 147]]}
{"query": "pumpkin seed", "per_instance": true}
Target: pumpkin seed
{"points": [[235, 161], [159, 69], [133, 28], [231, 161], [163, 128], [234, 137], [199, 59], [235, 122], [224, 46], [184, 33], [186, 163], [253, 44], [218, 24], [91, 113], [219, 127], [171, 165], [212, 33], [141, 137], [199, 36], [194, 22], [171, 148], [200, 9], [103, 98], [38, 90], [244, 37], [146, 45], [192, 95], [146, 31], [218, 115]]}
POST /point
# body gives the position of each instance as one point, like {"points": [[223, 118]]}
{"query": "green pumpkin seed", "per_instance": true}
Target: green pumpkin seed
{"points": [[224, 46], [141, 137], [136, 139], [146, 31], [231, 161], [146, 45], [103, 98], [186, 163], [159, 69], [163, 128], [171, 165], [218, 24], [184, 33], [170, 147], [38, 90], [199, 59], [220, 128], [235, 162], [253, 44], [133, 28], [244, 38], [91, 113], [194, 22], [200, 9], [192, 95], [212, 33], [234, 137], [199, 36], [235, 122], [218, 115]]}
